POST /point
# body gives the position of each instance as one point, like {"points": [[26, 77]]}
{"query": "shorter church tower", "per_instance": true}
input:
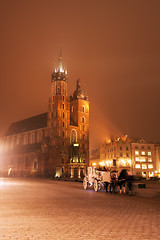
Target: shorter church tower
{"points": [[79, 118]]}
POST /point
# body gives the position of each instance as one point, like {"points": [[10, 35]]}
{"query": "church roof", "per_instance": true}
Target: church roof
{"points": [[28, 124]]}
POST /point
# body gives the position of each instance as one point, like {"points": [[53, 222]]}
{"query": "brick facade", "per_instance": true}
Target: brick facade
{"points": [[55, 143]]}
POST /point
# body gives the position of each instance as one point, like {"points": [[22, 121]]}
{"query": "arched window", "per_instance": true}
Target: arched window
{"points": [[26, 162], [63, 124], [63, 115], [72, 109], [83, 108], [73, 136], [83, 119]]}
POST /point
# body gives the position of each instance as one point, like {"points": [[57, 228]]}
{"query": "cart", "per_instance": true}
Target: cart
{"points": [[95, 178]]}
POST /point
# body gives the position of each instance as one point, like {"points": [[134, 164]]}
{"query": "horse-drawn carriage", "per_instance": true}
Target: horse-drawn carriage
{"points": [[96, 178]]}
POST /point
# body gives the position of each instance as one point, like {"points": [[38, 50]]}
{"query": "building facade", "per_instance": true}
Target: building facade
{"points": [[55, 143], [135, 155]]}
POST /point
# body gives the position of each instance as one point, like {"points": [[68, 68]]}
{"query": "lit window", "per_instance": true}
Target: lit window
{"points": [[143, 160], [150, 166], [136, 152], [144, 166], [151, 174], [149, 159], [143, 153], [137, 159], [137, 166], [149, 153]]}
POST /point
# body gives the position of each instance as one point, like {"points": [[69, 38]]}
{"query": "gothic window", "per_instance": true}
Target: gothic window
{"points": [[63, 115], [63, 124], [72, 109], [25, 139], [83, 109], [33, 138], [40, 136], [26, 162], [63, 98], [63, 134], [73, 136], [83, 119], [63, 105]]}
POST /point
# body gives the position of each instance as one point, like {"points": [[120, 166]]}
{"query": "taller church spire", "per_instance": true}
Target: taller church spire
{"points": [[59, 78]]}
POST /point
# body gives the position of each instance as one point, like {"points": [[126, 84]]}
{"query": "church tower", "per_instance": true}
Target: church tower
{"points": [[59, 117]]}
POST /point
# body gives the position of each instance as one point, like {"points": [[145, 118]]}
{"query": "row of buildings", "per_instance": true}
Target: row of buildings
{"points": [[54, 143], [135, 155]]}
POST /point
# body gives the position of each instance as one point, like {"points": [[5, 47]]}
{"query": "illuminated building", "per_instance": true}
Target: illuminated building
{"points": [[157, 149], [55, 143], [135, 155]]}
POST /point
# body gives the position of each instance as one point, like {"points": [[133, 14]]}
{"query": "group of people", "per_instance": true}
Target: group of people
{"points": [[124, 182]]}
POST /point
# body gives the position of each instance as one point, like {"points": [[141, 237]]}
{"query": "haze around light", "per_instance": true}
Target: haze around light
{"points": [[113, 46]]}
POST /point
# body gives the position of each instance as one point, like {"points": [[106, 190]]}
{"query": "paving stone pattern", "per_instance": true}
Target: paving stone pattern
{"points": [[56, 210]]}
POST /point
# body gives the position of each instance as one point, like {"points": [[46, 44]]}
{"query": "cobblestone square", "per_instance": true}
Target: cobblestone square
{"points": [[46, 209]]}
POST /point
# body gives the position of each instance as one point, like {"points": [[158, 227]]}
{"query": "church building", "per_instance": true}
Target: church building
{"points": [[54, 143]]}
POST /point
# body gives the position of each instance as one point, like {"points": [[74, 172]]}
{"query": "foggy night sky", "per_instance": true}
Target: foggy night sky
{"points": [[113, 46]]}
